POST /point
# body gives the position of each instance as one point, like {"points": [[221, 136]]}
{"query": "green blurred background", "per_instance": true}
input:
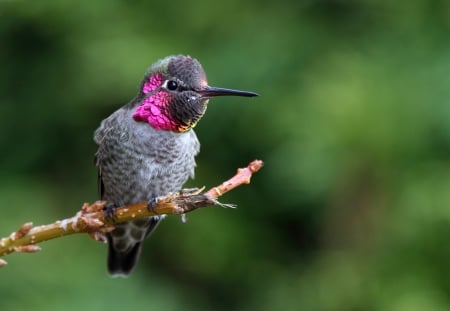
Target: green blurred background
{"points": [[351, 211]]}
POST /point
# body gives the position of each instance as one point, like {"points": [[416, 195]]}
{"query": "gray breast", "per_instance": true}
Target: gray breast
{"points": [[137, 162]]}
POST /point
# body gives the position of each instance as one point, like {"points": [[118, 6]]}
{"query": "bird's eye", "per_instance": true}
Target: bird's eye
{"points": [[172, 85]]}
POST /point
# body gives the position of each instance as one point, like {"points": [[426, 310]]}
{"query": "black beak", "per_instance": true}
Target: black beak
{"points": [[210, 91]]}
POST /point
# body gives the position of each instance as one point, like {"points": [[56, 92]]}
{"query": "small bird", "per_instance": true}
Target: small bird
{"points": [[147, 148]]}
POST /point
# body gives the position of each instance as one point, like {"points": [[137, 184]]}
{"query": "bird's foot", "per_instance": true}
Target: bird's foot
{"points": [[110, 211], [152, 204]]}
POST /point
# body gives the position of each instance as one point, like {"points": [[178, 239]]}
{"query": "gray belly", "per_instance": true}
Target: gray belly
{"points": [[134, 179]]}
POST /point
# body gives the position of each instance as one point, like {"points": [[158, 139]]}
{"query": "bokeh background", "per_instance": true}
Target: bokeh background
{"points": [[351, 211]]}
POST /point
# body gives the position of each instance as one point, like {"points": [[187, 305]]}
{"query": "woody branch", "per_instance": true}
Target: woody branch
{"points": [[91, 218]]}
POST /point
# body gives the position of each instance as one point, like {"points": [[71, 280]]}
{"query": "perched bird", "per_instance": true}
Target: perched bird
{"points": [[146, 148]]}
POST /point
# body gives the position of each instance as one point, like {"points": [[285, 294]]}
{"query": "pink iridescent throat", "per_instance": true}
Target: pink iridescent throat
{"points": [[153, 109]]}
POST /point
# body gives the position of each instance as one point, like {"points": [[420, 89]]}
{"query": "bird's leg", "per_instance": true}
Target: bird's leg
{"points": [[110, 211], [152, 204]]}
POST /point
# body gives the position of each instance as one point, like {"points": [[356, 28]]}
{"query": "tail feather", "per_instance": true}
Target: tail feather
{"points": [[120, 263], [123, 263]]}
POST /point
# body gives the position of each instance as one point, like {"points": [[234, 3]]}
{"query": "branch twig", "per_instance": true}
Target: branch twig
{"points": [[91, 218]]}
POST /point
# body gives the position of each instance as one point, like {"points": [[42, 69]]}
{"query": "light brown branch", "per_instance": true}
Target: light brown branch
{"points": [[91, 218]]}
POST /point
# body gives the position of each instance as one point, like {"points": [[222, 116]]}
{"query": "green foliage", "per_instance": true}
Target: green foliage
{"points": [[352, 210]]}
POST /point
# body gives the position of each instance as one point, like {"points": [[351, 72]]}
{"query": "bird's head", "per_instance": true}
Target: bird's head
{"points": [[174, 94]]}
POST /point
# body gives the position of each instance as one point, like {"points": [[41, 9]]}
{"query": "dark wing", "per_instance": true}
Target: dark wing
{"points": [[99, 137], [100, 185]]}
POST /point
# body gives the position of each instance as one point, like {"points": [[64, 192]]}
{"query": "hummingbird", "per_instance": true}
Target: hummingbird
{"points": [[147, 148]]}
